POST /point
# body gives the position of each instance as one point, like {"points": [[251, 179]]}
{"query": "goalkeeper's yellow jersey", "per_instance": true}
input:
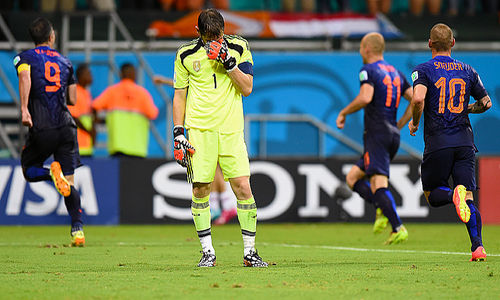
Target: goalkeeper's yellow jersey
{"points": [[213, 101]]}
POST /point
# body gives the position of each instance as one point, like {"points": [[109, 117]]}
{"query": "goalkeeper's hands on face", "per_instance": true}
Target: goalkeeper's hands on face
{"points": [[218, 50], [182, 147]]}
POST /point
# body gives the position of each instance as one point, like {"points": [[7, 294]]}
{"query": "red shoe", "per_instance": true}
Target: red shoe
{"points": [[479, 254], [461, 206], [226, 216]]}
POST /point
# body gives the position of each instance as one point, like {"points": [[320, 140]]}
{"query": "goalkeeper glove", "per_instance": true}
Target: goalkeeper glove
{"points": [[182, 148], [219, 51]]}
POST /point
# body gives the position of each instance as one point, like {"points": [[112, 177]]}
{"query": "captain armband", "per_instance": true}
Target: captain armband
{"points": [[23, 67]]}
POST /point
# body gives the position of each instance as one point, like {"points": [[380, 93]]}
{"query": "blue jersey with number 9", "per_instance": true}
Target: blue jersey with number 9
{"points": [[51, 74]]}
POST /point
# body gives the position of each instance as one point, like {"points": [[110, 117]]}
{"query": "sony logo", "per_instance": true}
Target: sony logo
{"points": [[318, 177]]}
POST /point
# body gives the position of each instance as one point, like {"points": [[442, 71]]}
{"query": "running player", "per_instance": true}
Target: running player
{"points": [[381, 88], [442, 88], [46, 85], [218, 70]]}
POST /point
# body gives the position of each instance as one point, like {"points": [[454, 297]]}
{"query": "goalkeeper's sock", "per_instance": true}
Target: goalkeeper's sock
{"points": [[383, 199], [200, 209], [73, 205], [247, 216], [474, 226], [363, 188], [440, 196]]}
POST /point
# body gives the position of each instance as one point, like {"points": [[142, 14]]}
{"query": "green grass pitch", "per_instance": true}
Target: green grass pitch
{"points": [[308, 261]]}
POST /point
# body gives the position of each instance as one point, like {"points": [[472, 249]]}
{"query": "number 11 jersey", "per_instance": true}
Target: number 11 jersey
{"points": [[51, 73], [450, 83], [389, 86]]}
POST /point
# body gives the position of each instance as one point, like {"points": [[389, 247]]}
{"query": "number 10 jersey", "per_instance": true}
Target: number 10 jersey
{"points": [[450, 83]]}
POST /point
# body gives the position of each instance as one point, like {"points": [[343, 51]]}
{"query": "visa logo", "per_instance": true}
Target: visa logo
{"points": [[19, 203]]}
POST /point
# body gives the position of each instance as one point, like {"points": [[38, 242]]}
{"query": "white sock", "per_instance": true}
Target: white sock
{"points": [[227, 200], [214, 201], [248, 244], [206, 244]]}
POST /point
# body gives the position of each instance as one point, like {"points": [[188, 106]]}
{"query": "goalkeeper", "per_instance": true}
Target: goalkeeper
{"points": [[218, 70]]}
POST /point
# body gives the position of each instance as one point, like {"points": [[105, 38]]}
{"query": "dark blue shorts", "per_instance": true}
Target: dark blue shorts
{"points": [[60, 142], [378, 153], [457, 162]]}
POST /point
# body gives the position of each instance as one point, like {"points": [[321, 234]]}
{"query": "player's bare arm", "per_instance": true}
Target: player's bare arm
{"points": [[480, 106], [417, 107], [408, 95], [72, 94], [364, 97], [158, 79], [179, 106], [243, 81], [24, 92]]}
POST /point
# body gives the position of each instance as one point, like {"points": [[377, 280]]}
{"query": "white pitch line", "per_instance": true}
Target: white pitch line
{"points": [[226, 243], [371, 250]]}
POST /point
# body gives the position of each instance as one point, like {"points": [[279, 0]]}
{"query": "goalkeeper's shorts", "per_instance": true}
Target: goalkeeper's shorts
{"points": [[229, 149]]}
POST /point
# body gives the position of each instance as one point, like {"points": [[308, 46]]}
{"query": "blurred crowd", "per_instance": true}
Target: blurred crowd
{"points": [[414, 7]]}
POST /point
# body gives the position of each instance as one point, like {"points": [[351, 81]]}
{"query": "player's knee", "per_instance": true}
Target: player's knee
{"points": [[378, 181], [201, 190], [241, 188], [351, 179], [353, 176]]}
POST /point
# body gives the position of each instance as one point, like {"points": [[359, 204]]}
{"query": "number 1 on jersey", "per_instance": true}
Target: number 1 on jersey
{"points": [[215, 81]]}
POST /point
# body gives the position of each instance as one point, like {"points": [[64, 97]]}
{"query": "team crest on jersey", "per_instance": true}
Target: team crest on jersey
{"points": [[16, 60], [197, 65]]}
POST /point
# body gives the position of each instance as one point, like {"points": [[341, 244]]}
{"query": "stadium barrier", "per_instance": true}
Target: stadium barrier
{"points": [[317, 84], [154, 191]]}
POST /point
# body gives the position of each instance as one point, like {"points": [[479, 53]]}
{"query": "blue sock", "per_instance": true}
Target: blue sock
{"points": [[474, 226], [440, 196], [362, 187], [73, 205], [383, 199], [34, 174]]}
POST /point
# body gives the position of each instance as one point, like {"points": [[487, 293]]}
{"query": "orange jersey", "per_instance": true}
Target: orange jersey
{"points": [[83, 105], [82, 110], [128, 96]]}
